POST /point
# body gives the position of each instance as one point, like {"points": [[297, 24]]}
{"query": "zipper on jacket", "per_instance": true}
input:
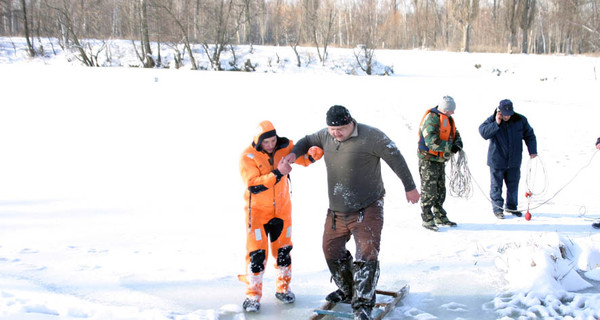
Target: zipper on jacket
{"points": [[361, 215], [271, 159], [250, 213], [272, 163]]}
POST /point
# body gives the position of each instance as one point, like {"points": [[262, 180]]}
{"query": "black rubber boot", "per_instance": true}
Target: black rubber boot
{"points": [[366, 275], [441, 218], [426, 214], [341, 274], [427, 217]]}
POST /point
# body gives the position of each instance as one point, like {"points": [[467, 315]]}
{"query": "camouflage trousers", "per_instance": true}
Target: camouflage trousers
{"points": [[433, 188]]}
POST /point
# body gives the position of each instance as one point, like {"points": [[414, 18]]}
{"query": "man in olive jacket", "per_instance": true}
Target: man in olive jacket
{"points": [[353, 153]]}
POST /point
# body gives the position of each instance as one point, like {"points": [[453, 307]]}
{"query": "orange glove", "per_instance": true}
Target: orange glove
{"points": [[315, 154]]}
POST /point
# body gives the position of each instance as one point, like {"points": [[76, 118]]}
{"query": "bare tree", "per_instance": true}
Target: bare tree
{"points": [[365, 51], [422, 22], [222, 23], [327, 33], [245, 31], [277, 21], [30, 49], [391, 26], [177, 18], [68, 31], [511, 22], [590, 22], [539, 26], [464, 12], [526, 12], [147, 58], [320, 18], [563, 14], [293, 25]]}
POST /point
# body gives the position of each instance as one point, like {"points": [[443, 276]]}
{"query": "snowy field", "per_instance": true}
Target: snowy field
{"points": [[120, 195]]}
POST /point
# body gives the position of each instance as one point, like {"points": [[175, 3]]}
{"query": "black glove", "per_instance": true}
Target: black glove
{"points": [[455, 148]]}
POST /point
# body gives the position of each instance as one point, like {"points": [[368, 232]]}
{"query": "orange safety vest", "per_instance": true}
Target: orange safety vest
{"points": [[447, 131]]}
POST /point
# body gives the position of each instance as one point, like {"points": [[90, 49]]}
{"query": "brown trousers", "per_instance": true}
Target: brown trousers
{"points": [[364, 225]]}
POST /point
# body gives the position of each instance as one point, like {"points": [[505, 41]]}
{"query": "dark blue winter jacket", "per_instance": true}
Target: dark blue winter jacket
{"points": [[506, 148]]}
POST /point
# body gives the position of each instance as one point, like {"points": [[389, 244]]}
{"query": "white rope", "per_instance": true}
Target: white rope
{"points": [[460, 176], [568, 182], [532, 183], [535, 171]]}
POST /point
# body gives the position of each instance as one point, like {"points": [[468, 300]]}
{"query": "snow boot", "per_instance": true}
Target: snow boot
{"points": [[443, 221], [430, 225], [441, 217], [341, 274], [362, 314], [251, 304], [338, 296], [366, 275], [287, 297], [516, 213], [284, 276], [427, 217], [254, 282], [499, 214], [596, 225]]}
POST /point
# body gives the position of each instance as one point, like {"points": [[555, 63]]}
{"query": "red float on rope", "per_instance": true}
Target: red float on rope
{"points": [[528, 195]]}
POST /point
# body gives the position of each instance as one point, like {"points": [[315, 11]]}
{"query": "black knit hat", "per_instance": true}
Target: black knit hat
{"points": [[338, 116]]}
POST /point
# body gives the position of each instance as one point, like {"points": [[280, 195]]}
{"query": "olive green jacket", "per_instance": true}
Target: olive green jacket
{"points": [[354, 165]]}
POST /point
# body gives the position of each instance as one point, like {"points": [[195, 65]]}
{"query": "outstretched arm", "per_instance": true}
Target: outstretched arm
{"points": [[304, 145], [313, 155], [290, 158]]}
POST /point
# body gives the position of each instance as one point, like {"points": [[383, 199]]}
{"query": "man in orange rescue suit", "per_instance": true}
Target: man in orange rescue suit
{"points": [[268, 212]]}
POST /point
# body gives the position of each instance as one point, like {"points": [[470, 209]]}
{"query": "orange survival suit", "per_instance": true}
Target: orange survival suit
{"points": [[268, 209]]}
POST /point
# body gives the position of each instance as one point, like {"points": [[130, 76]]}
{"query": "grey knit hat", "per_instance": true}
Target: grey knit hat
{"points": [[447, 104]]}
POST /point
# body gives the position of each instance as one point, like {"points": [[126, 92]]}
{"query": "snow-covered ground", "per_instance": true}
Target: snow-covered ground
{"points": [[120, 196]]}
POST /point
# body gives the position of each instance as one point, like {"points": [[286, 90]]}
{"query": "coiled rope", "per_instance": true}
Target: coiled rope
{"points": [[534, 171], [460, 177], [568, 182]]}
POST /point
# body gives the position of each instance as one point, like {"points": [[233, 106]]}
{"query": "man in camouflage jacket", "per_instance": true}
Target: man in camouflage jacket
{"points": [[438, 139]]}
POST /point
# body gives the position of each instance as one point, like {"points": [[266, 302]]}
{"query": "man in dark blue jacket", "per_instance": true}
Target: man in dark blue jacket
{"points": [[505, 129], [597, 223]]}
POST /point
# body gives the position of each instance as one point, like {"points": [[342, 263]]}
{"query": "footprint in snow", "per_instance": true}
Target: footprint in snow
{"points": [[95, 251], [454, 306], [42, 309], [28, 251]]}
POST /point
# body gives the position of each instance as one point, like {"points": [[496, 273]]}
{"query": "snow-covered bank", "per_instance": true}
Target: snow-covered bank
{"points": [[120, 196]]}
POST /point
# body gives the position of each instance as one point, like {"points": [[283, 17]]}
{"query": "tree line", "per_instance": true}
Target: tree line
{"points": [[514, 26]]}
